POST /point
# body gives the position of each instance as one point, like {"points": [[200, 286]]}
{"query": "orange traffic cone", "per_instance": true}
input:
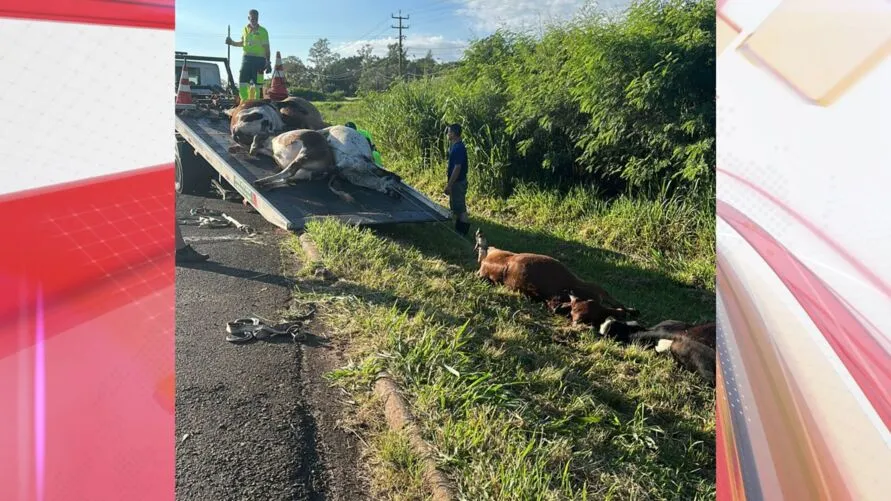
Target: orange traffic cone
{"points": [[278, 90], [184, 94]]}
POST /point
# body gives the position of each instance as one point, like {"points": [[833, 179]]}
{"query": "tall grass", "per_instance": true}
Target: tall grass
{"points": [[605, 125]]}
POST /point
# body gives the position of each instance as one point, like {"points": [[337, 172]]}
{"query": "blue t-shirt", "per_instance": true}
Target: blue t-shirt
{"points": [[458, 156]]}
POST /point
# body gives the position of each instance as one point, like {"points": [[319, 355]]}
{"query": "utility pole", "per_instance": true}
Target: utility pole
{"points": [[401, 37]]}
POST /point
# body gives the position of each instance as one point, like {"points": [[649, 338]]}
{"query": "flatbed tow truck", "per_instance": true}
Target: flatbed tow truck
{"points": [[203, 162]]}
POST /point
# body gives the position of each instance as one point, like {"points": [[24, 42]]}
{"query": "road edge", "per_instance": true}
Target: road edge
{"points": [[399, 417]]}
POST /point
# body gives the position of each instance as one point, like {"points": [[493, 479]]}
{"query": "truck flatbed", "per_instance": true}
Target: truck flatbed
{"points": [[292, 206]]}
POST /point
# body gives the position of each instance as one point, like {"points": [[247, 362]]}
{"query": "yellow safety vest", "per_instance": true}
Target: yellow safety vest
{"points": [[254, 41]]}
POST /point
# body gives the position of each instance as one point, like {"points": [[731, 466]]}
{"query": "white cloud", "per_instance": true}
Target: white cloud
{"points": [[485, 16], [416, 47], [521, 15]]}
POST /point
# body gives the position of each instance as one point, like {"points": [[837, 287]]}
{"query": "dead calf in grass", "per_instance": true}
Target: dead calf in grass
{"points": [[691, 346], [560, 305], [590, 312]]}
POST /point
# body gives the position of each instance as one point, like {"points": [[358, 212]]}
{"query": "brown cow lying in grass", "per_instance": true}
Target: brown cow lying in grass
{"points": [[537, 276], [692, 346], [590, 312]]}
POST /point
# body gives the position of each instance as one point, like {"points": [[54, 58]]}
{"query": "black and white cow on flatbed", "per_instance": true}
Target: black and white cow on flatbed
{"points": [[337, 151]]}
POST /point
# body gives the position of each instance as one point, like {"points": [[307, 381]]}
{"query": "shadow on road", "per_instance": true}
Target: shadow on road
{"points": [[222, 269]]}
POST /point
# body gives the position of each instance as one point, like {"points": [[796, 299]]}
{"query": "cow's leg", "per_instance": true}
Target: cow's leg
{"points": [[303, 175], [286, 173], [364, 178], [301, 169], [368, 179], [256, 144], [263, 150], [346, 197]]}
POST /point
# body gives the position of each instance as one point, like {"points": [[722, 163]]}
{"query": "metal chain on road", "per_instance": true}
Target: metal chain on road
{"points": [[247, 329]]}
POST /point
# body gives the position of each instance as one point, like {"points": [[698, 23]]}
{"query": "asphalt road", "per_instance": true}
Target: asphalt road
{"points": [[253, 421]]}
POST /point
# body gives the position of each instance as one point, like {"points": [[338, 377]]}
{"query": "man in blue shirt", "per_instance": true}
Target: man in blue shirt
{"points": [[456, 187]]}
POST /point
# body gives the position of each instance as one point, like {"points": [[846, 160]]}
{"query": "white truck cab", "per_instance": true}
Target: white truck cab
{"points": [[204, 77]]}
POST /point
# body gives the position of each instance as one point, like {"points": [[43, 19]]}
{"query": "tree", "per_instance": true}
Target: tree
{"points": [[364, 53], [373, 76], [422, 67], [296, 73], [395, 59], [321, 57], [343, 75]]}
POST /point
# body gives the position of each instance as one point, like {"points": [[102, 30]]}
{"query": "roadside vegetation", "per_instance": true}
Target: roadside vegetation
{"points": [[593, 143]]}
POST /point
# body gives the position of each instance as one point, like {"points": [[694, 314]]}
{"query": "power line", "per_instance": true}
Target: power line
{"points": [[374, 36], [401, 36], [375, 27]]}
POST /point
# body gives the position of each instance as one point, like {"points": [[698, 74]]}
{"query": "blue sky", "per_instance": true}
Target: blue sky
{"points": [[443, 26]]}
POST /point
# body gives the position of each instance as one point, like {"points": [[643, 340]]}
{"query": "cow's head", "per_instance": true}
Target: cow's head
{"points": [[481, 247], [619, 330]]}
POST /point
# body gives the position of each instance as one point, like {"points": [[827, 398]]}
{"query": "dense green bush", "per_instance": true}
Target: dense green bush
{"points": [[625, 104]]}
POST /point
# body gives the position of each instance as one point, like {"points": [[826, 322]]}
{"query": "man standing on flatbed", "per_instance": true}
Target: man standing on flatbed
{"points": [[256, 58]]}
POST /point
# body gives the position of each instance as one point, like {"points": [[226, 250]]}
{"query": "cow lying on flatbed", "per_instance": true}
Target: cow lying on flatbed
{"points": [[337, 152], [286, 132]]}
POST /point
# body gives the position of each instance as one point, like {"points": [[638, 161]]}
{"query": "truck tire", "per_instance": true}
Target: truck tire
{"points": [[193, 173]]}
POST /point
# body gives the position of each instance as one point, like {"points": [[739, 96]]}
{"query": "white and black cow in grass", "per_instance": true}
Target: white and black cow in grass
{"points": [[338, 152]]}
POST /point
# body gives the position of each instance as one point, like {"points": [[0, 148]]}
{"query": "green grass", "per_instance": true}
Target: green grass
{"points": [[337, 112], [518, 404], [398, 471]]}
